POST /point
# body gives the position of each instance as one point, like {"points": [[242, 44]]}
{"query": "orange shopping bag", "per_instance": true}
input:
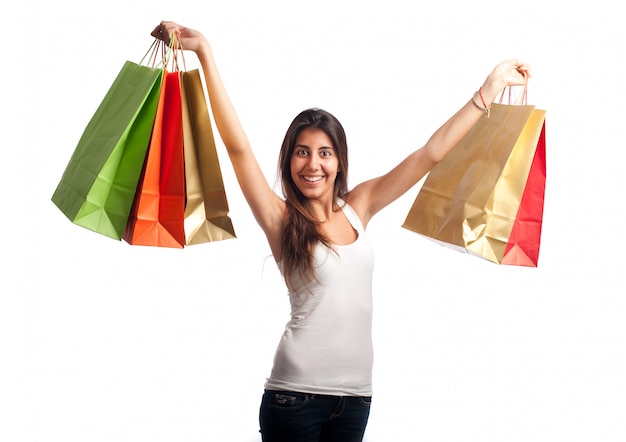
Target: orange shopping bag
{"points": [[157, 216]]}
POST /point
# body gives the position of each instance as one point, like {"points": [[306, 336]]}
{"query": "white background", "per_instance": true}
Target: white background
{"points": [[103, 341]]}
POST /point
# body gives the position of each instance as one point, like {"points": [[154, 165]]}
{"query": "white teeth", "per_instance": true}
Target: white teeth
{"points": [[312, 179]]}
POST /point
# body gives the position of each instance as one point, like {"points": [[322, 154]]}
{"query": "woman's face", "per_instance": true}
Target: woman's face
{"points": [[314, 164]]}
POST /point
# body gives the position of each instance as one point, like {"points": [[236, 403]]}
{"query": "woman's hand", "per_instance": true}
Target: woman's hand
{"points": [[189, 39], [507, 73]]}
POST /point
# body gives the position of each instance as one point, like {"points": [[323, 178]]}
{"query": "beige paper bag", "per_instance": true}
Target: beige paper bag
{"points": [[470, 200], [206, 210]]}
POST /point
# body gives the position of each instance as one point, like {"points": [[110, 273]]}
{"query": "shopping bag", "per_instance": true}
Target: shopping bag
{"points": [[486, 197], [206, 210], [97, 188], [523, 245], [157, 215]]}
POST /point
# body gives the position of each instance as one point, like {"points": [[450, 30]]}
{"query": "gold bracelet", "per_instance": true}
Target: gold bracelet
{"points": [[486, 110]]}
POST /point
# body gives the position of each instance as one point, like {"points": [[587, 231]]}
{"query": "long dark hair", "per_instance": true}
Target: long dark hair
{"points": [[302, 230]]}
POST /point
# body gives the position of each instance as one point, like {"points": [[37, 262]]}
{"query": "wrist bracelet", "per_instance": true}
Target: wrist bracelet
{"points": [[480, 92], [485, 109]]}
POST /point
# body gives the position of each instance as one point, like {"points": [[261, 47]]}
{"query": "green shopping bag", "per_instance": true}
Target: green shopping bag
{"points": [[98, 186]]}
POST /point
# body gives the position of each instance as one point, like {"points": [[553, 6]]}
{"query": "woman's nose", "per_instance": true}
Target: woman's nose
{"points": [[313, 162]]}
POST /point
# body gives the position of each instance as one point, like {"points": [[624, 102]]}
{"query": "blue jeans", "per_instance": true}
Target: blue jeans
{"points": [[288, 416]]}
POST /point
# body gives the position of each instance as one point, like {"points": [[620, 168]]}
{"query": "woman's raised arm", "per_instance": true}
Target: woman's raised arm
{"points": [[371, 196]]}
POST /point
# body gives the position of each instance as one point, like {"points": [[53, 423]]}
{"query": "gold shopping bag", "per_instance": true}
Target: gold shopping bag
{"points": [[485, 186], [206, 210]]}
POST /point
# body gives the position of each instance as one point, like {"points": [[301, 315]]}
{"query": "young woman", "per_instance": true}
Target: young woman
{"points": [[320, 386]]}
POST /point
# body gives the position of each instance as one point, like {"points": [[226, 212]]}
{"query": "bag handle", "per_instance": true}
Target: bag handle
{"points": [[522, 98], [168, 55], [151, 57], [176, 47]]}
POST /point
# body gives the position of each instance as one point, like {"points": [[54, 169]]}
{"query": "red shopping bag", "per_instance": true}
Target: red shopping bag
{"points": [[158, 213], [524, 241]]}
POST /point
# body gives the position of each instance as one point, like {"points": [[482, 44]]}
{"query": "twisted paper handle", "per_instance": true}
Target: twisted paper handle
{"points": [[522, 98], [162, 56]]}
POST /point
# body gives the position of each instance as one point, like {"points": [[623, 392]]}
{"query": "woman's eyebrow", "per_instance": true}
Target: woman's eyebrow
{"points": [[304, 146]]}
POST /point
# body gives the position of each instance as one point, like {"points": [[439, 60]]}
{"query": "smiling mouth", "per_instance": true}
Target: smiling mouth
{"points": [[312, 179]]}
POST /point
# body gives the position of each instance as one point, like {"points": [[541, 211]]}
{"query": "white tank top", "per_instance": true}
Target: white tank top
{"points": [[327, 345]]}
